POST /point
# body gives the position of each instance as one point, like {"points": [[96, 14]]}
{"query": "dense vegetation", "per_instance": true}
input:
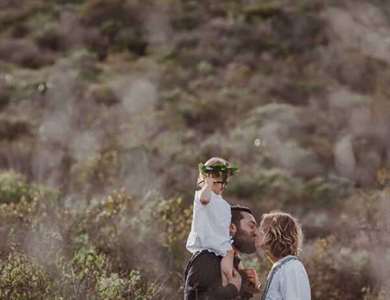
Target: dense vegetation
{"points": [[107, 106]]}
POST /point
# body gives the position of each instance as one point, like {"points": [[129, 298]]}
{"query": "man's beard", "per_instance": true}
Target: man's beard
{"points": [[243, 242]]}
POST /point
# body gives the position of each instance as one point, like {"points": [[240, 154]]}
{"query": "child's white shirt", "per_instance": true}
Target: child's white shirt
{"points": [[290, 282], [210, 226]]}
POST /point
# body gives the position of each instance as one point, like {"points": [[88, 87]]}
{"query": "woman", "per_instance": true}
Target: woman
{"points": [[280, 237]]}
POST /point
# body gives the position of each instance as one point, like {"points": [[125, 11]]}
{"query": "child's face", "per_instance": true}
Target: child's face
{"points": [[218, 184]]}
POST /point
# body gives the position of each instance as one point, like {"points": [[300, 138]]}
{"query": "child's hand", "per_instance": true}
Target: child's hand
{"points": [[205, 193]]}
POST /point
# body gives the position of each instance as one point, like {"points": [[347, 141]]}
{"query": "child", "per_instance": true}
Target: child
{"points": [[280, 236], [212, 215]]}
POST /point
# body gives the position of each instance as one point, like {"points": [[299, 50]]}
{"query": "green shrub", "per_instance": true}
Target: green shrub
{"points": [[118, 23], [264, 10], [329, 265], [102, 94], [24, 53], [377, 295], [287, 191], [22, 278], [90, 275], [5, 95], [324, 193], [12, 14], [89, 265], [112, 287], [139, 288], [175, 219], [274, 184], [133, 286], [104, 222], [87, 64], [14, 188], [96, 172], [50, 37], [26, 221], [187, 16], [12, 129]]}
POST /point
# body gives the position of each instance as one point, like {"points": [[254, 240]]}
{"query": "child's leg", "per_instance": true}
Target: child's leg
{"points": [[227, 267]]}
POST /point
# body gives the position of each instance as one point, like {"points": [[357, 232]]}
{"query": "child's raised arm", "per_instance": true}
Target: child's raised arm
{"points": [[205, 192]]}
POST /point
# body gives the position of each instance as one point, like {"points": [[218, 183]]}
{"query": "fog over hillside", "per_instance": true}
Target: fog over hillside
{"points": [[108, 106]]}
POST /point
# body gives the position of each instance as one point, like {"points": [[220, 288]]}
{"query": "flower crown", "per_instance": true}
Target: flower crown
{"points": [[219, 168]]}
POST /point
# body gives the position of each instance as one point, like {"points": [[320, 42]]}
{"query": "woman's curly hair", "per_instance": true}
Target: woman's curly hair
{"points": [[282, 234]]}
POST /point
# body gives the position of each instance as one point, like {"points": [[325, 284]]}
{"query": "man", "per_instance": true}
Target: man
{"points": [[203, 279]]}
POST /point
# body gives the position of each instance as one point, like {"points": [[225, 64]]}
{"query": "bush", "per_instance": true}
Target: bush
{"points": [[26, 211], [16, 13], [175, 221], [96, 174], [24, 53], [102, 221], [133, 287], [102, 94], [89, 266], [12, 129], [51, 38], [5, 95], [118, 23], [89, 275], [87, 64], [274, 184], [21, 278], [112, 287], [330, 264], [14, 188], [138, 288]]}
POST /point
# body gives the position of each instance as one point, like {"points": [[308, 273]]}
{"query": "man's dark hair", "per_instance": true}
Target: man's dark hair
{"points": [[237, 211]]}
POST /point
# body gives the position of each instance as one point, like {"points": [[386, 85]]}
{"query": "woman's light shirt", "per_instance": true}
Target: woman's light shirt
{"points": [[290, 282]]}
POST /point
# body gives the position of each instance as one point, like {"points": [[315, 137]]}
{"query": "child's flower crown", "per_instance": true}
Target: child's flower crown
{"points": [[218, 169]]}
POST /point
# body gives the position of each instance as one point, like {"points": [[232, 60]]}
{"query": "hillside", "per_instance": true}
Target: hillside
{"points": [[108, 106]]}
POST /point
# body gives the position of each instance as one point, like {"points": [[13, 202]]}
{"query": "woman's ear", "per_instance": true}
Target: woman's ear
{"points": [[233, 229]]}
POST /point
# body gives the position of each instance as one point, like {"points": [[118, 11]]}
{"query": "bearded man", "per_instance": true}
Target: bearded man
{"points": [[203, 280]]}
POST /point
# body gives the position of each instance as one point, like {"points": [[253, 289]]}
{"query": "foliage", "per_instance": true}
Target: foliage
{"points": [[50, 37], [291, 192], [117, 23], [14, 188], [12, 129], [327, 267], [272, 85], [24, 53], [176, 221], [21, 278]]}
